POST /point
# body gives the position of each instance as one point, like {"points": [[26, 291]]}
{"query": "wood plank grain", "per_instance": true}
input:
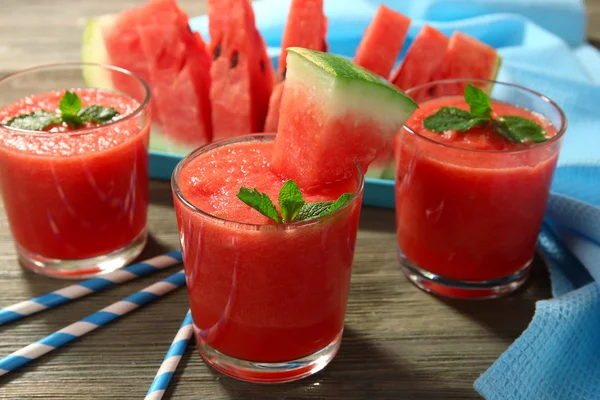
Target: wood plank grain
{"points": [[399, 342], [593, 21]]}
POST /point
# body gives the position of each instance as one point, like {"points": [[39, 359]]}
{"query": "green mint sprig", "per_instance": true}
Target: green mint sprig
{"points": [[71, 112], [511, 127], [291, 204]]}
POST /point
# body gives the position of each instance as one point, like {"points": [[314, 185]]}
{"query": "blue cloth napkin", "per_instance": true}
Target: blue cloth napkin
{"points": [[543, 47]]}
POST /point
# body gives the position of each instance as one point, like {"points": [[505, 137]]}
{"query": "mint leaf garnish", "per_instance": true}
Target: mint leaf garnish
{"points": [[452, 118], [98, 114], [292, 205], [479, 102], [313, 210], [519, 129], [339, 203], [260, 202], [69, 104], [290, 200], [70, 112], [513, 128], [35, 121]]}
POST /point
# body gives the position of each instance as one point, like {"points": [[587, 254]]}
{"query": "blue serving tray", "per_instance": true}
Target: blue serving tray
{"points": [[378, 192]]}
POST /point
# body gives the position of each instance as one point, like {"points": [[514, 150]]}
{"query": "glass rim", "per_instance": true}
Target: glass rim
{"points": [[271, 227], [559, 134], [66, 65]]}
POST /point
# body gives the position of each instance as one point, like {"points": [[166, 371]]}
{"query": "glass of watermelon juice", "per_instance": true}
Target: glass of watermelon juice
{"points": [[469, 205], [75, 193], [268, 300]]}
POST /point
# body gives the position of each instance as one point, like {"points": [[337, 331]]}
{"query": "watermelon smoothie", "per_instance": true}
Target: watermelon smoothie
{"points": [[76, 198], [261, 293], [469, 206]]}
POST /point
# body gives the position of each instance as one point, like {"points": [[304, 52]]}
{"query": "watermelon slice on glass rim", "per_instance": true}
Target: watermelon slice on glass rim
{"points": [[155, 42], [333, 116]]}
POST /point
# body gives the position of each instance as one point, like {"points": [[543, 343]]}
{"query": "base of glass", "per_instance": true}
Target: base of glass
{"points": [[457, 289], [266, 372], [84, 268]]}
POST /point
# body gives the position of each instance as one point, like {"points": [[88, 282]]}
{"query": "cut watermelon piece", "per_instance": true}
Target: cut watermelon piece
{"points": [[155, 42], [382, 41], [378, 50], [423, 58], [274, 104], [241, 73], [466, 57], [306, 27], [334, 115]]}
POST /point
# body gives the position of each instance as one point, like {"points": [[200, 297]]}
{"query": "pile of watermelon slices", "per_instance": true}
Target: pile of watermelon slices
{"points": [[228, 87]]}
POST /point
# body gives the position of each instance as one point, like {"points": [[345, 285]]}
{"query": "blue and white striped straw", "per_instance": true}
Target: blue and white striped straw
{"points": [[169, 364], [72, 292], [90, 323]]}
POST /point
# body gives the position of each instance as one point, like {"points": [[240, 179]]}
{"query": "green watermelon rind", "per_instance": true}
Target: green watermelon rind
{"points": [[94, 51], [158, 142], [355, 89], [351, 89]]}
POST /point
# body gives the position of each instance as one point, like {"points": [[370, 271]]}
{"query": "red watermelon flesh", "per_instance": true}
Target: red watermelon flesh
{"points": [[306, 27], [124, 35], [174, 62], [422, 59], [466, 57], [241, 73], [382, 41], [274, 104], [334, 116]]}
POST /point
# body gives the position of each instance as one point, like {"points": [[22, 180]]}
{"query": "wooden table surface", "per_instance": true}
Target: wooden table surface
{"points": [[399, 342]]}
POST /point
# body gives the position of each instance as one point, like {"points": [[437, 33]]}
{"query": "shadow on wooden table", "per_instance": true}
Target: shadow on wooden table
{"points": [[39, 284], [345, 378], [507, 317]]}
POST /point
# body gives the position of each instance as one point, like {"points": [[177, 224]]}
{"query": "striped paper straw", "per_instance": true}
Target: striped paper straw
{"points": [[65, 295], [169, 364], [90, 323]]}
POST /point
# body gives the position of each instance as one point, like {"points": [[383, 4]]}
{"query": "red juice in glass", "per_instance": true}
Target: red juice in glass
{"points": [[76, 198], [469, 205], [268, 300]]}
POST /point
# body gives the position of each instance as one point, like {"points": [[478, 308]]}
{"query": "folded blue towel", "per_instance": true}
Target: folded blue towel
{"points": [[543, 47]]}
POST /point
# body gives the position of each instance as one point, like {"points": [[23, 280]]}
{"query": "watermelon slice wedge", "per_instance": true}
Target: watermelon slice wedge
{"points": [[306, 27], [467, 57], [272, 120], [241, 73], [378, 50], [155, 42], [382, 41], [423, 58], [334, 115]]}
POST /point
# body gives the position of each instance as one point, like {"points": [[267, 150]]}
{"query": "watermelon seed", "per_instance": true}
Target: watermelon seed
{"points": [[217, 52], [234, 59], [262, 65], [283, 73]]}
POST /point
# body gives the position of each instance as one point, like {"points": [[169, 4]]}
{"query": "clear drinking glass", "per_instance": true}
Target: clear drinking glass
{"points": [[268, 301], [76, 200], [468, 219]]}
